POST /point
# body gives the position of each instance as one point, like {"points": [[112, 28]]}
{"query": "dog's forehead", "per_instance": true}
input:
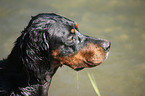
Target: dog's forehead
{"points": [[52, 16], [66, 21], [60, 23]]}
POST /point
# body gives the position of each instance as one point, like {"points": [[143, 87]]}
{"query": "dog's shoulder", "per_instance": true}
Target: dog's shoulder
{"points": [[3, 92]]}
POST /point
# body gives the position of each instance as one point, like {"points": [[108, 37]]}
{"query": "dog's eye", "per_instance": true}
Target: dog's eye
{"points": [[73, 31]]}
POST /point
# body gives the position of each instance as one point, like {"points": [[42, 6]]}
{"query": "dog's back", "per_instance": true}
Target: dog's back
{"points": [[2, 81]]}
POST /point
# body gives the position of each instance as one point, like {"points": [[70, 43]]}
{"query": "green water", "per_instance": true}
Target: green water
{"points": [[120, 21]]}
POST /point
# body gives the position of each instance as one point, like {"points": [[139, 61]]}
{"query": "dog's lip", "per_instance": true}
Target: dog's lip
{"points": [[91, 63], [87, 64]]}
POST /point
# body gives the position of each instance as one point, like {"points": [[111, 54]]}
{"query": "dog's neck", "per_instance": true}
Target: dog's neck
{"points": [[39, 77], [38, 83]]}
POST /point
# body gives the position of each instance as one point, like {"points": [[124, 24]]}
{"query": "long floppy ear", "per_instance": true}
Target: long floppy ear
{"points": [[35, 47]]}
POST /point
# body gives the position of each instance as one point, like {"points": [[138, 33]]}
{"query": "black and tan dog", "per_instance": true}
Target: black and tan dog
{"points": [[49, 41]]}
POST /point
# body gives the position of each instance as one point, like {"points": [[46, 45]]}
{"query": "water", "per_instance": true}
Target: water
{"points": [[119, 21], [77, 80]]}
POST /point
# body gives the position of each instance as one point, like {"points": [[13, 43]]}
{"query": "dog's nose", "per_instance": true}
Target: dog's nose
{"points": [[106, 45]]}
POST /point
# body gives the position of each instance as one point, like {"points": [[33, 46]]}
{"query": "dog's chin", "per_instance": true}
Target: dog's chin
{"points": [[79, 69], [86, 64], [89, 64]]}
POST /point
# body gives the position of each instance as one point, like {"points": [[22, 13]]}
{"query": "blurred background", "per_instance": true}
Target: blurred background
{"points": [[120, 21]]}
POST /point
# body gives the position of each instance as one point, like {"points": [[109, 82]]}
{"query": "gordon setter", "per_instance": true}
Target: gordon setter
{"points": [[48, 42]]}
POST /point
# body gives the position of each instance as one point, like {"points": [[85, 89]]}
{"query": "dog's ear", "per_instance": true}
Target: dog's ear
{"points": [[36, 39], [34, 43]]}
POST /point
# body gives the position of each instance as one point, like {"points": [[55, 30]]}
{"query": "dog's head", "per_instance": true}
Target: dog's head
{"points": [[60, 42]]}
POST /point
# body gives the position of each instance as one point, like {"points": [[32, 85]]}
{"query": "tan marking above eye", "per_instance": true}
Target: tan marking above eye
{"points": [[76, 25]]}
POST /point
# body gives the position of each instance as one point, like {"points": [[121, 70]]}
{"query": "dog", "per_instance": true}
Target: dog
{"points": [[48, 42]]}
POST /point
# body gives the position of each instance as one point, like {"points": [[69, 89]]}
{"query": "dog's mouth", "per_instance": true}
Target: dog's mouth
{"points": [[90, 63], [86, 64]]}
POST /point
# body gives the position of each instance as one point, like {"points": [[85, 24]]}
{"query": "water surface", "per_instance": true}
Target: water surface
{"points": [[120, 21]]}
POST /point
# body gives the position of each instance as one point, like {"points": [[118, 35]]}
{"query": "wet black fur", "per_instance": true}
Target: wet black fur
{"points": [[24, 71], [30, 66]]}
